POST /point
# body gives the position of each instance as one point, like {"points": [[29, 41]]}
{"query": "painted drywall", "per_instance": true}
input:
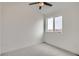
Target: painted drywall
{"points": [[22, 26], [68, 39], [0, 26]]}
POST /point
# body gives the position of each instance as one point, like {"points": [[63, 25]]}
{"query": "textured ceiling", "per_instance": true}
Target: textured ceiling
{"points": [[45, 9]]}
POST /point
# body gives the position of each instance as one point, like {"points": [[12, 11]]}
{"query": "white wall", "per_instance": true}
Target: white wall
{"points": [[0, 26], [22, 26], [69, 38]]}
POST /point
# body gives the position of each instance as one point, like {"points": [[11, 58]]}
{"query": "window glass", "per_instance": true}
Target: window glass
{"points": [[50, 24], [58, 23]]}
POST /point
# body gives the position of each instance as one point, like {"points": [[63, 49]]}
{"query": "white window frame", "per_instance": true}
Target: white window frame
{"points": [[53, 29]]}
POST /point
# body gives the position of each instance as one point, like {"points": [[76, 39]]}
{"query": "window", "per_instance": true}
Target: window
{"points": [[50, 24], [58, 24], [54, 24]]}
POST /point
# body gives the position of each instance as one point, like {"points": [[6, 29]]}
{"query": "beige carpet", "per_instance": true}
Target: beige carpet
{"points": [[39, 50]]}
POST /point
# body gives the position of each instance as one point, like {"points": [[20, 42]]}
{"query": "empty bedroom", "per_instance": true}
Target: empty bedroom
{"points": [[39, 28]]}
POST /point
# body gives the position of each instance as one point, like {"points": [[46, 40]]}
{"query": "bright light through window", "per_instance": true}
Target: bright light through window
{"points": [[58, 24], [50, 24]]}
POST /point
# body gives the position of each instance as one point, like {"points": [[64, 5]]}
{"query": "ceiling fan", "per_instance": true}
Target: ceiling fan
{"points": [[41, 4]]}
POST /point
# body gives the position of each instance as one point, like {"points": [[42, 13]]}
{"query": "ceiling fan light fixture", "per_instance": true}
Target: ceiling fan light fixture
{"points": [[41, 4]]}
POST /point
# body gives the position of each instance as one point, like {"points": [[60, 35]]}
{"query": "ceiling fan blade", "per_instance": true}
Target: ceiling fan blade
{"points": [[48, 4], [33, 3]]}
